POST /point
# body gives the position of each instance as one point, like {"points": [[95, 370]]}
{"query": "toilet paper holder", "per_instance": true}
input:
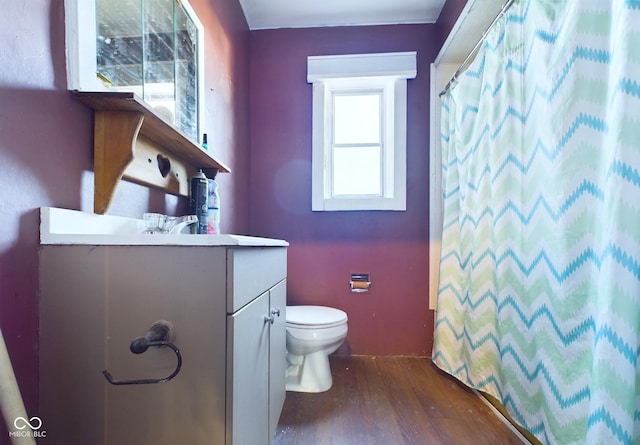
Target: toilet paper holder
{"points": [[359, 282]]}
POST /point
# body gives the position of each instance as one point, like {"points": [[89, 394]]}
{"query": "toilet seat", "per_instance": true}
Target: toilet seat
{"points": [[314, 317]]}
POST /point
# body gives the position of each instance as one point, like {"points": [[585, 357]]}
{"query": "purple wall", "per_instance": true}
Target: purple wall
{"points": [[326, 247], [46, 152], [227, 104], [448, 17]]}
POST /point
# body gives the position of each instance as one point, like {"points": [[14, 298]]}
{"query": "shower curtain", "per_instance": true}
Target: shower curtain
{"points": [[539, 293]]}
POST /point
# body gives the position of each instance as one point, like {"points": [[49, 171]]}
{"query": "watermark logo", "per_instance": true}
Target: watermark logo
{"points": [[21, 423], [34, 423]]}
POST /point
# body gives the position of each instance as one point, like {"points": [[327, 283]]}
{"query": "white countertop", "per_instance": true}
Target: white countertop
{"points": [[63, 226]]}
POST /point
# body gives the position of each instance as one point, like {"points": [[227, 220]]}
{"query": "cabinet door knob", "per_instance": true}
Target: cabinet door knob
{"points": [[275, 312], [269, 319]]}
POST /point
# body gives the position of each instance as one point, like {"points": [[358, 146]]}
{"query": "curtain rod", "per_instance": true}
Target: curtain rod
{"points": [[467, 61]]}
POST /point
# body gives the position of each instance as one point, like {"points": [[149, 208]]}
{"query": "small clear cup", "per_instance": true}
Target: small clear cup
{"points": [[155, 223]]}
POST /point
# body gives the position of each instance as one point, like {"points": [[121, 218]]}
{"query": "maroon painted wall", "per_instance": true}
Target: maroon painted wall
{"points": [[46, 152], [326, 247], [448, 17], [226, 119]]}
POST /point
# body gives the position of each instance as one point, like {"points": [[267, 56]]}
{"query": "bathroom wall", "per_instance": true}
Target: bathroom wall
{"points": [[46, 152], [448, 16], [326, 247]]}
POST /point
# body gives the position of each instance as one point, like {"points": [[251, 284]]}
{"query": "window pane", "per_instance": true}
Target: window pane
{"points": [[356, 119], [356, 170]]}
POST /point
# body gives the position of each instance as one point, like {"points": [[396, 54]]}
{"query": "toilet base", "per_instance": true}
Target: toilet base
{"points": [[308, 373]]}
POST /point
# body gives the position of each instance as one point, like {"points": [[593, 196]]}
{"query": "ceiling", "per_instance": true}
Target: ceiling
{"points": [[269, 14]]}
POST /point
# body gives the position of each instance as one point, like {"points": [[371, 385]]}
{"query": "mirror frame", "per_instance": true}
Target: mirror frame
{"points": [[80, 22]]}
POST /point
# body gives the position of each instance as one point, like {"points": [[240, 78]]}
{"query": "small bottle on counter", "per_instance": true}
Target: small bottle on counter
{"points": [[213, 218], [199, 193]]}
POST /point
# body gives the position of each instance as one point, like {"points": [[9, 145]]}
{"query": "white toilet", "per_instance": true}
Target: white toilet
{"points": [[313, 332]]}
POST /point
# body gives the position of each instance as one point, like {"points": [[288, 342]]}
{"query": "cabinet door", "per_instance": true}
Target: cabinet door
{"points": [[88, 320], [277, 355], [247, 374], [190, 408]]}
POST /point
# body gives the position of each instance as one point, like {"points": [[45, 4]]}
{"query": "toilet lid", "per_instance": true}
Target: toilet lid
{"points": [[308, 316]]}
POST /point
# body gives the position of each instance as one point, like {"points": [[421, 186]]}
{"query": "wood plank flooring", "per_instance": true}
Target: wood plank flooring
{"points": [[390, 401]]}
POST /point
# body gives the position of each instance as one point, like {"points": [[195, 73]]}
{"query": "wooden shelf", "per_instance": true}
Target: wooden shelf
{"points": [[131, 141]]}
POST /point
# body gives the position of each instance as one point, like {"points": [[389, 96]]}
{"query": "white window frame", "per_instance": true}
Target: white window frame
{"points": [[387, 72]]}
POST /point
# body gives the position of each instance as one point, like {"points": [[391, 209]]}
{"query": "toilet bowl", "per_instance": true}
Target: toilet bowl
{"points": [[313, 332]]}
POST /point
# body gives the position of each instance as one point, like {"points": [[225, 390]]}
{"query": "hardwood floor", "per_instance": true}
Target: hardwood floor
{"points": [[390, 401]]}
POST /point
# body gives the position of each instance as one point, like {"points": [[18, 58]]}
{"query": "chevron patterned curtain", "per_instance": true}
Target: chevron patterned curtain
{"points": [[539, 293]]}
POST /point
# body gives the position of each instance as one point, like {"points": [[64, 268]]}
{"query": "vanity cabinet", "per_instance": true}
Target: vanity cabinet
{"points": [[223, 302]]}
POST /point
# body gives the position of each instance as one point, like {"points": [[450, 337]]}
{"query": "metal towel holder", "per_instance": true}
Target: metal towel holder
{"points": [[160, 334]]}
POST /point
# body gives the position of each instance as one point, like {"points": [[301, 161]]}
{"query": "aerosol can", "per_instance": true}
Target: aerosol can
{"points": [[199, 192]]}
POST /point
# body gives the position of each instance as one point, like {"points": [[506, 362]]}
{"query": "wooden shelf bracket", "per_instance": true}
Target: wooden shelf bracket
{"points": [[115, 135]]}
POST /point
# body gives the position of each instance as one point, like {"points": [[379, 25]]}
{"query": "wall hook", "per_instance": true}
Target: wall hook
{"points": [[158, 335]]}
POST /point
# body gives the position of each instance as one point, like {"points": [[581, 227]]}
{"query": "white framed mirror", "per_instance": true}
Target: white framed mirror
{"points": [[154, 48]]}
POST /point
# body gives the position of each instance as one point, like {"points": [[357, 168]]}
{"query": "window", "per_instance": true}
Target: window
{"points": [[356, 146], [359, 130]]}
